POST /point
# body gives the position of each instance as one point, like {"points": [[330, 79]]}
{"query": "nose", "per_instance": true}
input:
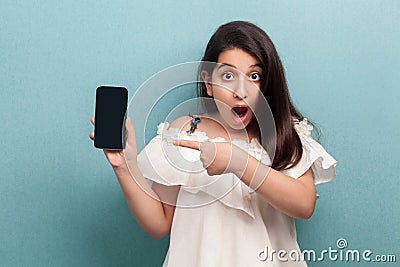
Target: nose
{"points": [[241, 91]]}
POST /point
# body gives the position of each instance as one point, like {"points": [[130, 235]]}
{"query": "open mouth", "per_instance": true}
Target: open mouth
{"points": [[240, 113]]}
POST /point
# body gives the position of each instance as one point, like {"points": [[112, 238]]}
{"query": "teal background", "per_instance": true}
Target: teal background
{"points": [[60, 203]]}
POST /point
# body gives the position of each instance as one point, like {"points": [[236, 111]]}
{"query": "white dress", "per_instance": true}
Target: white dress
{"points": [[218, 221]]}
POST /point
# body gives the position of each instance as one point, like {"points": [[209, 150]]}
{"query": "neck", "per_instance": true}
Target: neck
{"points": [[247, 133]]}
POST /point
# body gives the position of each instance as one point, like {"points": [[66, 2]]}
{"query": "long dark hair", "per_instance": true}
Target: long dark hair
{"points": [[250, 38]]}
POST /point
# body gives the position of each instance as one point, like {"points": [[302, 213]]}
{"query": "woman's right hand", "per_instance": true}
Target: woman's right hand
{"points": [[122, 158]]}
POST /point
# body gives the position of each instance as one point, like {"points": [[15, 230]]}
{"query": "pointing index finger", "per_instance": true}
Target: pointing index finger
{"points": [[188, 143]]}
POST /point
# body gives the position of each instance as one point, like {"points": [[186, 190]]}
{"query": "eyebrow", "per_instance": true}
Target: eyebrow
{"points": [[233, 66]]}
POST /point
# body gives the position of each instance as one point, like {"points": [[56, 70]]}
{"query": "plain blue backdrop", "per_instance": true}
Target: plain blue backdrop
{"points": [[60, 203]]}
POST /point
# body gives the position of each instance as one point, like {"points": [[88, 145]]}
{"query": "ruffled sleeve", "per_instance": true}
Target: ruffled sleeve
{"points": [[162, 162], [323, 165]]}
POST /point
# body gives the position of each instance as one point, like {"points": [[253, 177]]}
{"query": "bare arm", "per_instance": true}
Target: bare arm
{"points": [[148, 205], [152, 207], [294, 197]]}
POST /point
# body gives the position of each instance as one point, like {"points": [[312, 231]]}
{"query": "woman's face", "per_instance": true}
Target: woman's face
{"points": [[235, 86]]}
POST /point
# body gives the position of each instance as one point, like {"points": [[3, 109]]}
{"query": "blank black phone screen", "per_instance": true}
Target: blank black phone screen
{"points": [[111, 105]]}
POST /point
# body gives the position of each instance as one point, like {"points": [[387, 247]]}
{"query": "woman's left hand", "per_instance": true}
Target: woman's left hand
{"points": [[217, 157]]}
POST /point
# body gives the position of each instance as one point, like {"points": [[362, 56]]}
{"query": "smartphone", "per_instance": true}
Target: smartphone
{"points": [[110, 114]]}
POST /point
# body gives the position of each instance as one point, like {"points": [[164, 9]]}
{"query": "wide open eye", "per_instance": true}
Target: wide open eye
{"points": [[227, 76], [255, 76]]}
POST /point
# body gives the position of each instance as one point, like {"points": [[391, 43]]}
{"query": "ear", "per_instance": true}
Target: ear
{"points": [[207, 81]]}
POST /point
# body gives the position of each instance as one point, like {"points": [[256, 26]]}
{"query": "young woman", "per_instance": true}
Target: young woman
{"points": [[238, 207]]}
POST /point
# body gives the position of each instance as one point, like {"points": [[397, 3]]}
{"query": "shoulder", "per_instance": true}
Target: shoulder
{"points": [[206, 125], [181, 123]]}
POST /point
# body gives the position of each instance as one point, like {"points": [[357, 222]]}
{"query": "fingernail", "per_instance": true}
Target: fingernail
{"points": [[175, 142]]}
